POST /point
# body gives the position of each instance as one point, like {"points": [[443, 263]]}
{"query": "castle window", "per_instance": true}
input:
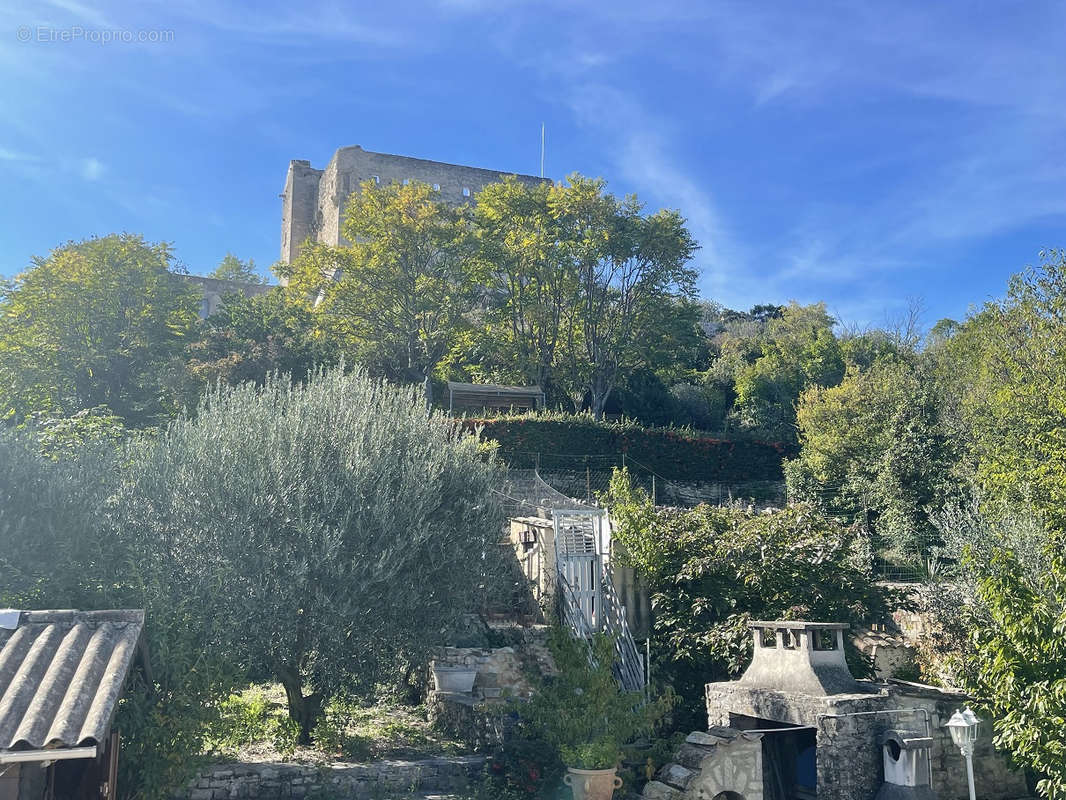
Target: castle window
{"points": [[436, 187], [406, 181], [375, 178], [466, 191]]}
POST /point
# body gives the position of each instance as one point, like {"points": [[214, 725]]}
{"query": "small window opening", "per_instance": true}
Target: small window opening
{"points": [[466, 191], [406, 181], [825, 640], [789, 638], [894, 749], [768, 638], [436, 187], [375, 178]]}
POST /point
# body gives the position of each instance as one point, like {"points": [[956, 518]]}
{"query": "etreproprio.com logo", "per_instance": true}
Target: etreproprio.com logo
{"points": [[47, 34]]}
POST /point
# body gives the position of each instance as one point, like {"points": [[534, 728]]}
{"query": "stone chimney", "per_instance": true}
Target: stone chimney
{"points": [[801, 657]]}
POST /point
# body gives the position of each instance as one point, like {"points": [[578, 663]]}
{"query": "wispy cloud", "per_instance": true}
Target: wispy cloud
{"points": [[17, 156], [92, 169]]}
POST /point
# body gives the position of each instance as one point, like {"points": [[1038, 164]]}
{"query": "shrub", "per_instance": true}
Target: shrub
{"points": [[680, 454], [352, 528], [582, 711], [66, 543], [711, 570]]}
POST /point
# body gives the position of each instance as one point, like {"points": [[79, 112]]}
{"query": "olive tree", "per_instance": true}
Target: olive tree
{"points": [[336, 529]]}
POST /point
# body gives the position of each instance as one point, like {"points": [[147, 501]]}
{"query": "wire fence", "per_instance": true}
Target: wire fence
{"points": [[587, 477]]}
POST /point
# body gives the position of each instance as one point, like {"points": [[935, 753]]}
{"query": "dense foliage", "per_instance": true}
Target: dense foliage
{"points": [[875, 453], [66, 543], [1010, 385], [334, 514], [710, 570], [582, 712], [98, 322], [679, 454]]}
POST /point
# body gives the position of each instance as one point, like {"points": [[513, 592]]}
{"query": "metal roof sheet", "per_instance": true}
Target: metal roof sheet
{"points": [[495, 388], [61, 675]]}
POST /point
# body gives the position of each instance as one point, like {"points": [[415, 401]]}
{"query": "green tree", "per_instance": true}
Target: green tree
{"points": [[797, 349], [332, 530], [97, 323], [873, 450], [399, 295], [248, 338], [1005, 366], [65, 542], [710, 570], [232, 268], [533, 285], [628, 266]]}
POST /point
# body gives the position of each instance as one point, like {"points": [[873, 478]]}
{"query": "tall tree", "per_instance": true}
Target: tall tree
{"points": [[797, 349], [96, 323], [874, 451], [398, 295], [248, 338], [1010, 375], [532, 283], [334, 529], [232, 268], [627, 265]]}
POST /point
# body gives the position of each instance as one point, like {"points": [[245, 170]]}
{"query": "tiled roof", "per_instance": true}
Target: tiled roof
{"points": [[61, 674]]}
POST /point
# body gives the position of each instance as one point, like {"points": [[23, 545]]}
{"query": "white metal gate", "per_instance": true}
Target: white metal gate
{"points": [[579, 553]]}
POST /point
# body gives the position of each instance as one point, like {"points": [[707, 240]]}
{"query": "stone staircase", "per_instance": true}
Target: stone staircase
{"points": [[708, 762]]}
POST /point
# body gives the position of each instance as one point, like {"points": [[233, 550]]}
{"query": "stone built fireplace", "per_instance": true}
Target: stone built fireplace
{"points": [[823, 735]]}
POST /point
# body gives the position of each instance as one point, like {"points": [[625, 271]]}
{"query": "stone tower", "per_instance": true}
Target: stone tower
{"points": [[314, 199]]}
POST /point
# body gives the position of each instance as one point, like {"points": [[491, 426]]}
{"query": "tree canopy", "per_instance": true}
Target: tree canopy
{"points": [[334, 529], [100, 322]]}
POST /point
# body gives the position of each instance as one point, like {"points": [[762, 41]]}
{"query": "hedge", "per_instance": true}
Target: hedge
{"points": [[559, 441]]}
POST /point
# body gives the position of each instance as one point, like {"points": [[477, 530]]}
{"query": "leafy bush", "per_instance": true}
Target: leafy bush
{"points": [[66, 543], [679, 454], [353, 530], [583, 712], [524, 766], [711, 570]]}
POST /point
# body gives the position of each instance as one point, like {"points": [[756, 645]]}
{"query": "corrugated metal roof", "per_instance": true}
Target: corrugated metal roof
{"points": [[61, 674], [495, 388]]}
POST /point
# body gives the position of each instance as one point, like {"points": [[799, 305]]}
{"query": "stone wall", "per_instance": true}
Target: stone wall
{"points": [[355, 781], [214, 289], [848, 730], [314, 200]]}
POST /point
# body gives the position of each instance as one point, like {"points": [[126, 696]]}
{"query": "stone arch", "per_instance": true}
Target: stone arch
{"points": [[728, 796]]}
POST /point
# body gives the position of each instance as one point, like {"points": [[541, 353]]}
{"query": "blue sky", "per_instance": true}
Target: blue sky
{"points": [[861, 153]]}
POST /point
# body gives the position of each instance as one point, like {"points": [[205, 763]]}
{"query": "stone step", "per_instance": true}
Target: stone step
{"points": [[676, 776], [654, 790], [691, 756]]}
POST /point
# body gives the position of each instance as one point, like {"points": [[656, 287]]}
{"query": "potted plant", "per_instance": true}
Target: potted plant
{"points": [[587, 717]]}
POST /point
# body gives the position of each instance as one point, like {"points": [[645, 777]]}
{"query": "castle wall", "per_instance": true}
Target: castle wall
{"points": [[314, 200], [299, 206]]}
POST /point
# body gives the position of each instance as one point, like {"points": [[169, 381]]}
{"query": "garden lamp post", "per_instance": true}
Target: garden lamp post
{"points": [[964, 727]]}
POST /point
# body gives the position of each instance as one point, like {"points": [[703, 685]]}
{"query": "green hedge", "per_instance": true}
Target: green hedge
{"points": [[557, 441]]}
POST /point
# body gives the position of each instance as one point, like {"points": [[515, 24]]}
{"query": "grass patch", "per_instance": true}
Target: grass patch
{"points": [[254, 726]]}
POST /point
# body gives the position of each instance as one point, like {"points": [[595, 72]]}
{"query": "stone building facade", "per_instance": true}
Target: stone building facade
{"points": [[825, 735], [214, 289], [313, 200]]}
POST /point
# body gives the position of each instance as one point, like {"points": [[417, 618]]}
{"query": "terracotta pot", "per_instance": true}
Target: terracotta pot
{"points": [[592, 784]]}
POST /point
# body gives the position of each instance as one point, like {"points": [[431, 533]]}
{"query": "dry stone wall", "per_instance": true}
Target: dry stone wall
{"points": [[270, 781]]}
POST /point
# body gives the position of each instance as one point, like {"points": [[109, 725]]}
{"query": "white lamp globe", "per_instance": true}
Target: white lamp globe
{"points": [[964, 727]]}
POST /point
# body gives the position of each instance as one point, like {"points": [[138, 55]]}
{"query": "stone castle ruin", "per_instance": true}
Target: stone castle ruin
{"points": [[313, 201], [798, 726]]}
